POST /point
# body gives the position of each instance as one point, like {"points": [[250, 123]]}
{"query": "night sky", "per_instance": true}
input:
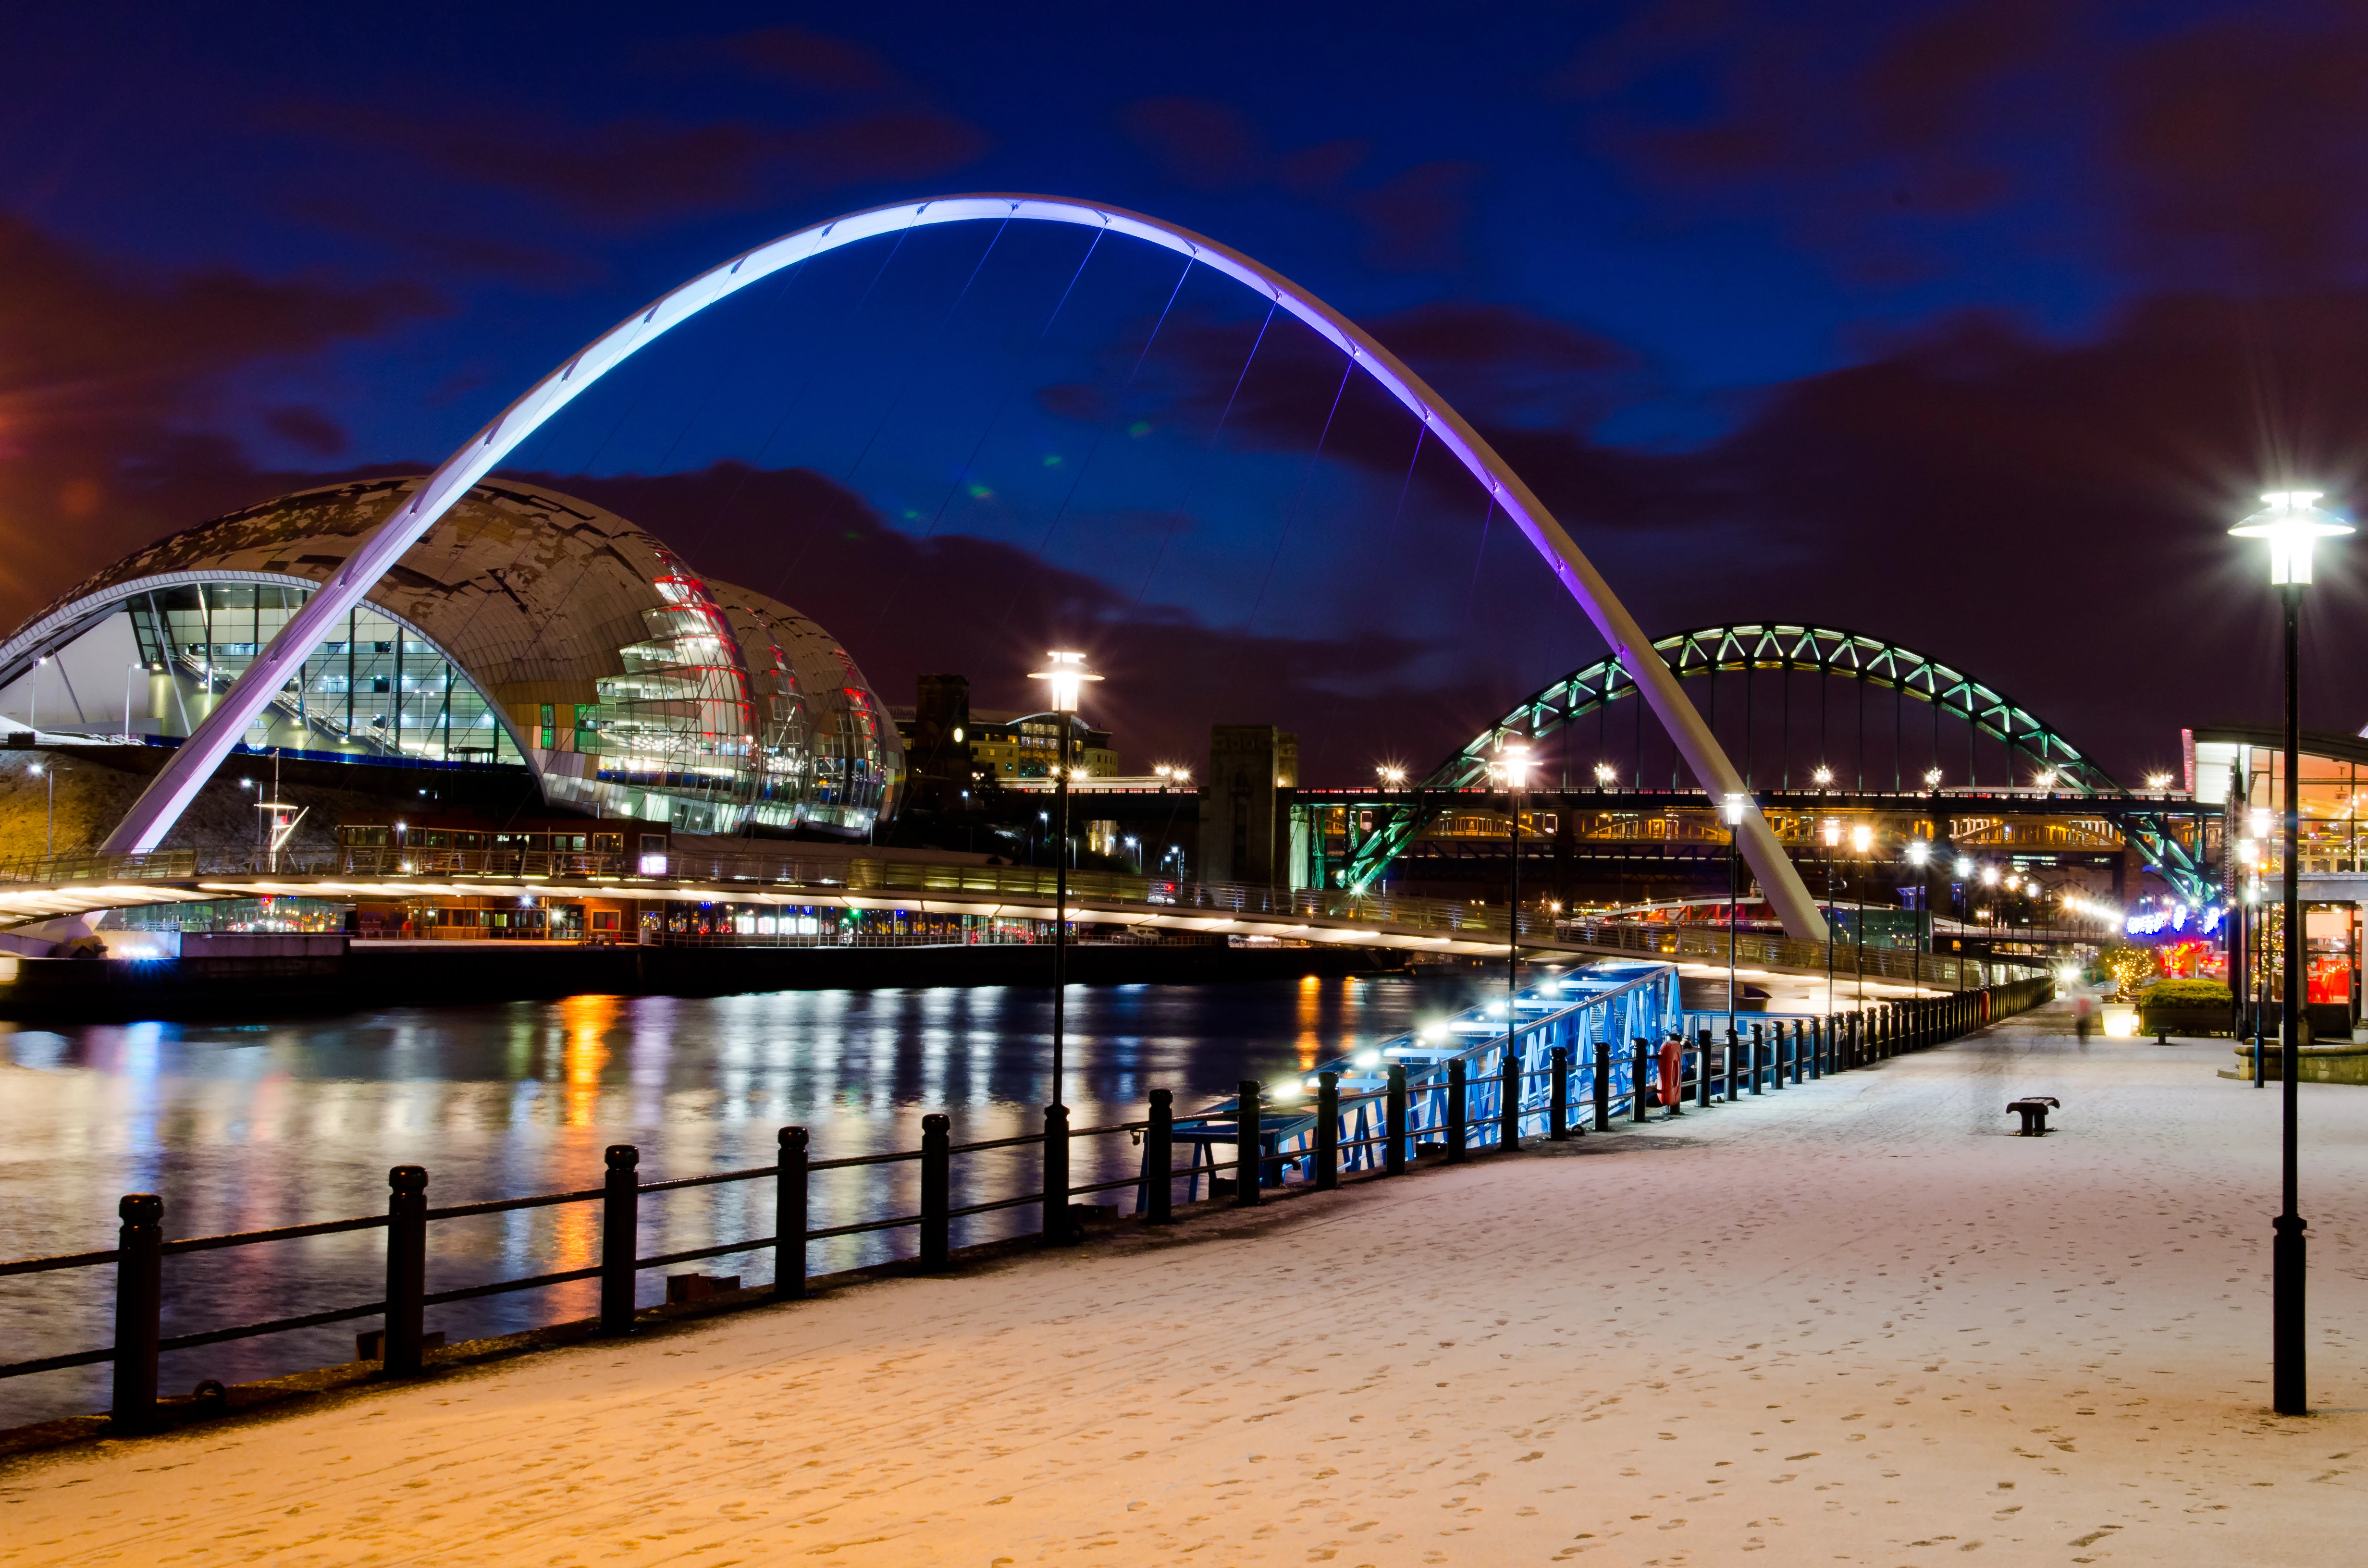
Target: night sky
{"points": [[1968, 325]]}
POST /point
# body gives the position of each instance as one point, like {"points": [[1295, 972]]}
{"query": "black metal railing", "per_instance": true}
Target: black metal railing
{"points": [[1668, 1075]]}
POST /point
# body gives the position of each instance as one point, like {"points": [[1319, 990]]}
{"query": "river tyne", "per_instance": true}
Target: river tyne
{"points": [[250, 1125]]}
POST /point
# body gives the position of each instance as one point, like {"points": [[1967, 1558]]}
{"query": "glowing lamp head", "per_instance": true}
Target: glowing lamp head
{"points": [[1513, 756], [1823, 775], [1833, 832], [1732, 809], [1862, 838], [1989, 876], [2293, 521], [1606, 775], [2260, 821], [1964, 866], [1931, 778], [1067, 673], [2044, 779], [2157, 781], [1391, 776], [1920, 853]]}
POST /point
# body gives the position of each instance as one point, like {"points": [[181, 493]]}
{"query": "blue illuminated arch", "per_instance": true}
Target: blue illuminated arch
{"points": [[172, 791]]}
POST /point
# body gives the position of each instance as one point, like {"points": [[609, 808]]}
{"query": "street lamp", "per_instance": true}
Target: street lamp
{"points": [[1732, 810], [1066, 676], [1606, 775], [1391, 776], [1861, 839], [2292, 523], [1919, 855], [49, 773], [1833, 835], [1513, 761]]}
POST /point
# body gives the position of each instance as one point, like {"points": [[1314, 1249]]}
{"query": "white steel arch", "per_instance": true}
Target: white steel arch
{"points": [[153, 815]]}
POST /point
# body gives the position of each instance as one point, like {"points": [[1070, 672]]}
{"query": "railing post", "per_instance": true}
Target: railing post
{"points": [[1056, 1229], [1816, 1036], [1603, 1085], [1394, 1123], [937, 1190], [618, 1239], [1249, 1143], [1701, 1070], [1508, 1107], [1457, 1111], [1637, 1066], [1558, 1095], [1800, 1049], [406, 1269], [1759, 1040], [789, 1216], [139, 1309], [1328, 1131], [1158, 1159]]}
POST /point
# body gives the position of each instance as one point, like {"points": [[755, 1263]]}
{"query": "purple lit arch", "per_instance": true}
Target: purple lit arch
{"points": [[170, 793]]}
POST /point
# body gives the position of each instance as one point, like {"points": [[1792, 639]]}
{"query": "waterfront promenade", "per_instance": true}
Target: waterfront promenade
{"points": [[1854, 1322]]}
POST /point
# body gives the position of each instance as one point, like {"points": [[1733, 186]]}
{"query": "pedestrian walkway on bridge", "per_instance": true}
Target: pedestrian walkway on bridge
{"points": [[1859, 1322]]}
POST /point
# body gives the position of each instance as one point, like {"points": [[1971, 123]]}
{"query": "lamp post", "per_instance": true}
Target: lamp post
{"points": [[1732, 810], [1513, 761], [1919, 855], [1066, 677], [1833, 833], [1862, 838], [49, 773], [2292, 522]]}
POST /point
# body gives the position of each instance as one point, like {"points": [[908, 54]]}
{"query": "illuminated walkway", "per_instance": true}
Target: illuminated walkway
{"points": [[1854, 1322]]}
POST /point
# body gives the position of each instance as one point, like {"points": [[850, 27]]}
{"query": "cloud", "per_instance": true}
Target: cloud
{"points": [[112, 396], [813, 61], [1412, 221], [641, 169], [309, 429]]}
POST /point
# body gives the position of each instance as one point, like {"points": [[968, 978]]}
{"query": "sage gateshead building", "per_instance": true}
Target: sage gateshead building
{"points": [[527, 627]]}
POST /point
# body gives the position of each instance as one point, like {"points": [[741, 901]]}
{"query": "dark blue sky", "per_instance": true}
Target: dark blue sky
{"points": [[1964, 324]]}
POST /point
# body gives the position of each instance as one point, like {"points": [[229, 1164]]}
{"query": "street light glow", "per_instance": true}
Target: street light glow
{"points": [[1918, 852], [1733, 809], [1964, 866], [2293, 521], [1391, 773], [1931, 778], [1823, 775], [2157, 781], [1513, 756], [1833, 832], [1862, 837], [1606, 775], [1067, 675], [1989, 876]]}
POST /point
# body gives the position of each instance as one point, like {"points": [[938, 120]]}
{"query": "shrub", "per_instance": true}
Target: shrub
{"points": [[2199, 993]]}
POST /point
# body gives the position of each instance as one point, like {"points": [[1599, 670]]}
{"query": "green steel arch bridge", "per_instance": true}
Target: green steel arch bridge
{"points": [[2036, 771]]}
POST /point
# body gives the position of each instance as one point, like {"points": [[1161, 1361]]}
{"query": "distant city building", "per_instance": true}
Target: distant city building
{"points": [[1246, 826], [1003, 748], [528, 627]]}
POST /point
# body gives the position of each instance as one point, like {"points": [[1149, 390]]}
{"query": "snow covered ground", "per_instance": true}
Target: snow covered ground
{"points": [[1855, 1322]]}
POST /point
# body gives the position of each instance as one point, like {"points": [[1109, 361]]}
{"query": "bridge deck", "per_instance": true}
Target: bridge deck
{"points": [[1857, 1321]]}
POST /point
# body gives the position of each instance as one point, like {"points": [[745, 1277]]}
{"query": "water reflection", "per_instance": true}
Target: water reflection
{"points": [[247, 1127]]}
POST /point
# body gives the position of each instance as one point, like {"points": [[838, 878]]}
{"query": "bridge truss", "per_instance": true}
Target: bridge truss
{"points": [[2056, 765]]}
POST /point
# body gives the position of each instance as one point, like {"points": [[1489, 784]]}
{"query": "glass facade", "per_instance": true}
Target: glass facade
{"points": [[379, 690]]}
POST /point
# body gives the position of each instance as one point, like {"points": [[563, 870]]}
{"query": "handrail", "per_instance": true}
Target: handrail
{"points": [[1840, 1041]]}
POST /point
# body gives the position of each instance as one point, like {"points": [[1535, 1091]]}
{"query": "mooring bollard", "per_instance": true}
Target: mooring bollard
{"points": [[937, 1190], [1158, 1159], [1393, 1129], [1509, 1100], [406, 1269], [1701, 1070], [1456, 1111], [618, 1239], [139, 1309], [1248, 1144], [1558, 1095], [789, 1216], [1639, 1068], [1328, 1131], [1602, 1086], [1055, 1227]]}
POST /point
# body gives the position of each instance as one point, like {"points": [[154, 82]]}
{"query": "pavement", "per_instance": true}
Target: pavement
{"points": [[1856, 1322]]}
